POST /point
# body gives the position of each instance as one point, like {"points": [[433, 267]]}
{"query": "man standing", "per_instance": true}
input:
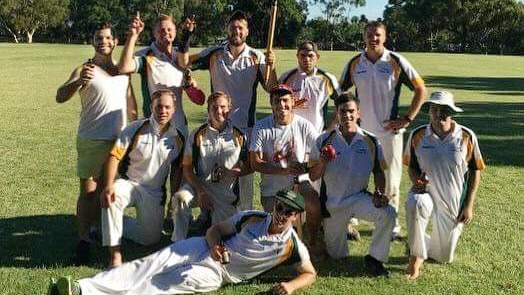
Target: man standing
{"points": [[144, 154], [278, 150], [159, 65], [378, 75], [255, 241], [312, 87], [236, 69], [344, 158], [214, 158], [444, 166], [107, 103]]}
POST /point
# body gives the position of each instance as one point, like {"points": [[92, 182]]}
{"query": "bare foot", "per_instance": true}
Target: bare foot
{"points": [[116, 257], [413, 271]]}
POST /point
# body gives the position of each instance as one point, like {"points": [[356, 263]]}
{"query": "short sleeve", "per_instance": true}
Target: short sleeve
{"points": [[188, 150], [408, 76], [124, 139], [256, 142], [476, 162], [202, 62]]}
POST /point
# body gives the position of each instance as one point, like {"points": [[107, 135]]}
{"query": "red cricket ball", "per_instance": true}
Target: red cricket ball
{"points": [[329, 152]]}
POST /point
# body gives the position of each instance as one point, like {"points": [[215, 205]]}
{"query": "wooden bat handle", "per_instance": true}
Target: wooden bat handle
{"points": [[270, 35]]}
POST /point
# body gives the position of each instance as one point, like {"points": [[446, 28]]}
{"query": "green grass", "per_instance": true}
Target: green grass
{"points": [[38, 183]]}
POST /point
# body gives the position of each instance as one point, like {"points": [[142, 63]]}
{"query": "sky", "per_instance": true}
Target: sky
{"points": [[372, 10]]}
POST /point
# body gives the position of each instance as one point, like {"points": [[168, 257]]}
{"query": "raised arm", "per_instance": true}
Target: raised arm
{"points": [[127, 62], [270, 65], [305, 278], [185, 40]]}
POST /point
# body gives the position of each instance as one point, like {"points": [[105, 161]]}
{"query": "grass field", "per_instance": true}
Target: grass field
{"points": [[38, 182]]}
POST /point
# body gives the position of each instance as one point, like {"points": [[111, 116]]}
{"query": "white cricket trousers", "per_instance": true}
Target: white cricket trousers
{"points": [[359, 206], [145, 229], [446, 231], [181, 268], [392, 150], [184, 200]]}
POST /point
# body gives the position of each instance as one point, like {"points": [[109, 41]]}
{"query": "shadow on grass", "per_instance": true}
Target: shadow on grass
{"points": [[349, 267], [48, 241], [499, 126], [513, 85]]}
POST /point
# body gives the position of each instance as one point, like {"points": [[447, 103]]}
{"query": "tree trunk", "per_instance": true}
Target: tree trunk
{"points": [[30, 34], [13, 33]]}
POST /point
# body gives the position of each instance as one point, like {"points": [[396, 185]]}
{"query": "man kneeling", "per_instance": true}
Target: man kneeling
{"points": [[345, 158], [255, 241], [144, 154]]}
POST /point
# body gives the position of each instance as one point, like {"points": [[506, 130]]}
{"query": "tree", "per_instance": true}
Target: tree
{"points": [[463, 25], [291, 15], [28, 16], [334, 12]]}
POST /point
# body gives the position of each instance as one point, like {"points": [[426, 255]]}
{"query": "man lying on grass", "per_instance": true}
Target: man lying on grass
{"points": [[254, 242]]}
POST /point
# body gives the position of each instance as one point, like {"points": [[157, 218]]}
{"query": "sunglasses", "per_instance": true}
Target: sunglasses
{"points": [[282, 209]]}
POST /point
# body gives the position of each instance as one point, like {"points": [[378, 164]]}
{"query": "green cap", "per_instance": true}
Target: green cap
{"points": [[291, 198]]}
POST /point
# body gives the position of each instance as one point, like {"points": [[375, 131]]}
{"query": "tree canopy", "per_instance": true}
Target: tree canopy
{"points": [[487, 26]]}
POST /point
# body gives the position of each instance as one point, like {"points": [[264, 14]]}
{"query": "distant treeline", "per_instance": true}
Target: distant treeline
{"points": [[484, 26]]}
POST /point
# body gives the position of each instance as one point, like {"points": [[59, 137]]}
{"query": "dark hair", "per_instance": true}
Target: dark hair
{"points": [[309, 46], [237, 15], [345, 98], [375, 24], [103, 26]]}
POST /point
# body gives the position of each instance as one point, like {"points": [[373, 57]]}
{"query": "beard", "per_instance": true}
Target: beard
{"points": [[236, 40]]}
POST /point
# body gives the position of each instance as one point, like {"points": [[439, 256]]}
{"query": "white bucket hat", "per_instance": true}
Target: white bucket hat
{"points": [[443, 98]]}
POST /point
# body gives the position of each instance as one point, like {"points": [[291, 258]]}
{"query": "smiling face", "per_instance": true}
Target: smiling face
{"points": [[163, 108], [307, 60], [374, 38], [348, 114], [104, 42], [164, 32], [237, 32], [283, 216], [282, 106], [218, 111]]}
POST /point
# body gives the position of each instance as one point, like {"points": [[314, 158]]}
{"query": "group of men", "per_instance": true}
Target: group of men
{"points": [[308, 162]]}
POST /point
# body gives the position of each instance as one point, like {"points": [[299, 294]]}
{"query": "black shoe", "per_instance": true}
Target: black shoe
{"points": [[81, 255], [375, 267]]}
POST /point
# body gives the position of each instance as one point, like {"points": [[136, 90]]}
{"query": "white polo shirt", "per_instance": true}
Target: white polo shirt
{"points": [[149, 160], [293, 141], [254, 251], [104, 106], [160, 71], [311, 93], [206, 149], [378, 87], [446, 162], [238, 77], [348, 174]]}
